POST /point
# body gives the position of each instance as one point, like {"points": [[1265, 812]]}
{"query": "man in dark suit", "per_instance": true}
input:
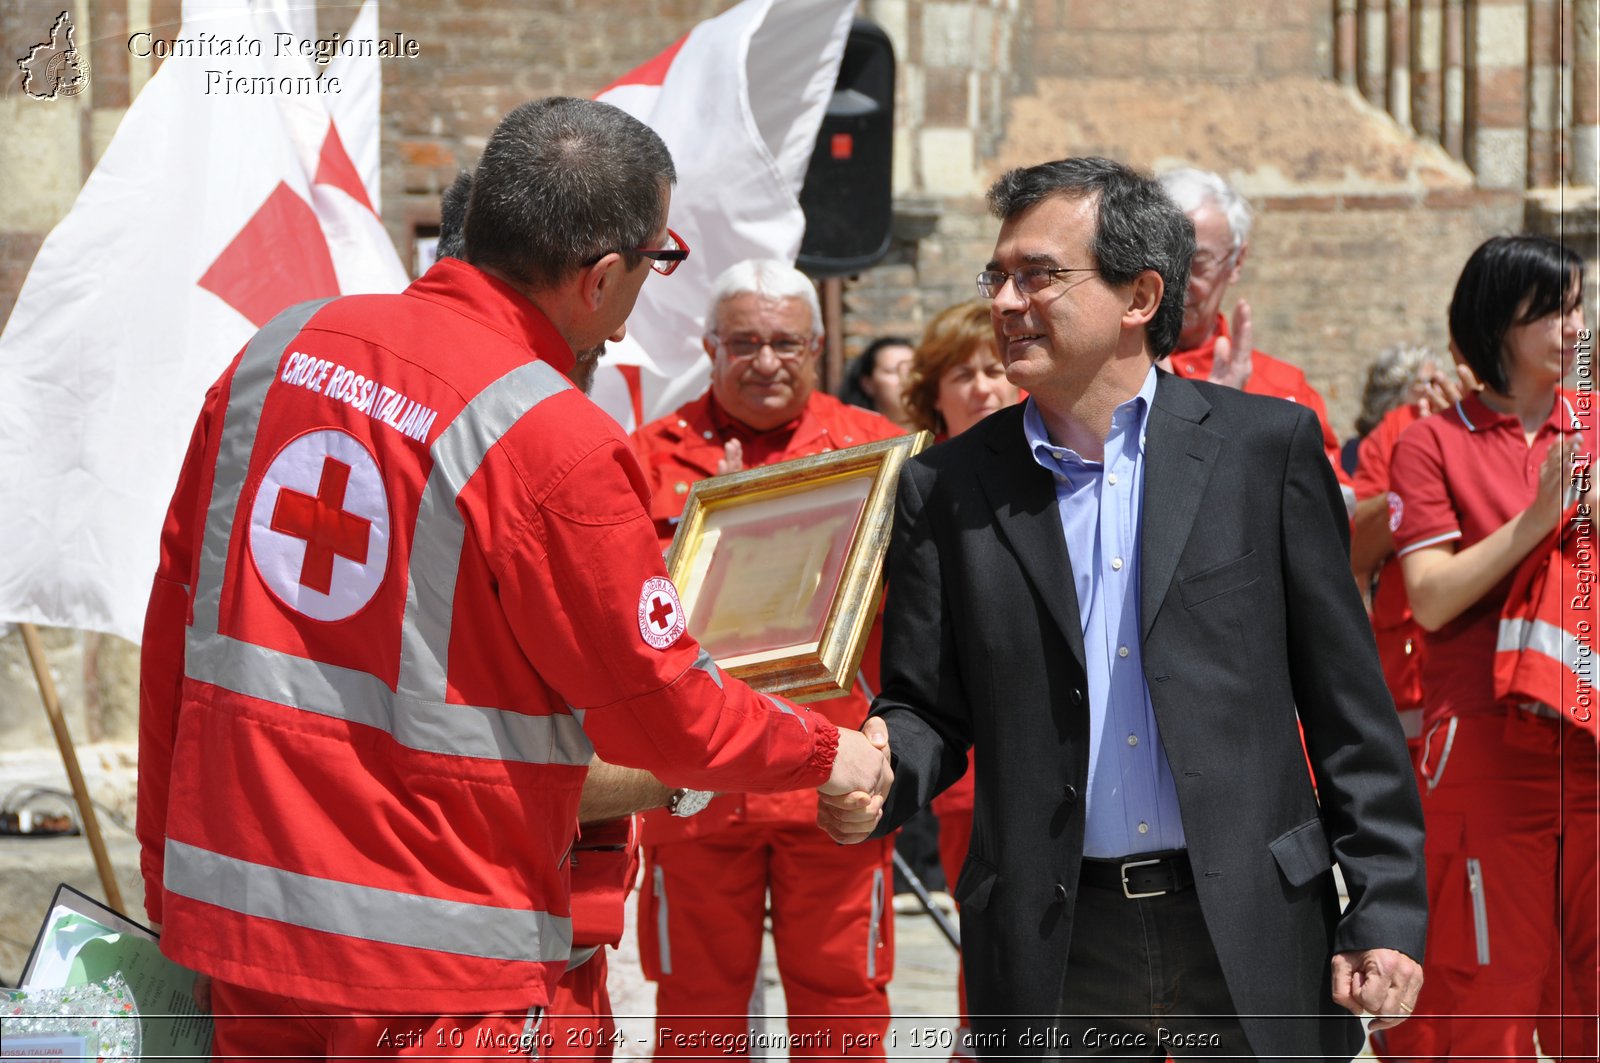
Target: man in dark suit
{"points": [[1120, 593]]}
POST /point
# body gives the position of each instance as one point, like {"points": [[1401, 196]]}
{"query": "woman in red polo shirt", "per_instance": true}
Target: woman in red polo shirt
{"points": [[1509, 792]]}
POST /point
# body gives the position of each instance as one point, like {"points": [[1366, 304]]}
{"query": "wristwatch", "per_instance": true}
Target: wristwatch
{"points": [[684, 803]]}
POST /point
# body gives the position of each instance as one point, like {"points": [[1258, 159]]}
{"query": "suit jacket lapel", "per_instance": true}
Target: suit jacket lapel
{"points": [[1023, 496], [1179, 457]]}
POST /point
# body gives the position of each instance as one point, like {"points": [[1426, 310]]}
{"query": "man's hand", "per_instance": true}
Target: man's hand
{"points": [[851, 804], [1379, 982], [732, 459], [1230, 358]]}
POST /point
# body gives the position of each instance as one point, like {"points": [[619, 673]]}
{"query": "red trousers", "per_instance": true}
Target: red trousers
{"points": [[1510, 808], [578, 1023], [254, 1025], [701, 916]]}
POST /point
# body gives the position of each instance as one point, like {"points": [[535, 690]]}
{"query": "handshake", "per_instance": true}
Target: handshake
{"points": [[851, 801]]}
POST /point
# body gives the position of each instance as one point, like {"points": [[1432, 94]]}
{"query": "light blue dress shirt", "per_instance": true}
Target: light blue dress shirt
{"points": [[1132, 801]]}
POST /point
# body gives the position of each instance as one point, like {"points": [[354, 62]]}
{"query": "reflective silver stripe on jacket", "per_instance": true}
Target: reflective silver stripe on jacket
{"points": [[347, 694], [1541, 637], [248, 392], [440, 531], [418, 716], [366, 912]]}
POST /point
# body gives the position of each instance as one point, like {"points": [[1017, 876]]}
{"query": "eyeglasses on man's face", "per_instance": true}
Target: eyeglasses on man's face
{"points": [[743, 348], [1028, 279], [1206, 264], [665, 259]]}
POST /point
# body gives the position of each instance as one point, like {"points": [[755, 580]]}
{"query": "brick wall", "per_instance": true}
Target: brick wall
{"points": [[481, 58], [1215, 39], [1362, 227]]}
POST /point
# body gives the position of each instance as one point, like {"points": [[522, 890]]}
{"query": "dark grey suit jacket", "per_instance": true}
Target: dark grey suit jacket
{"points": [[1248, 611]]}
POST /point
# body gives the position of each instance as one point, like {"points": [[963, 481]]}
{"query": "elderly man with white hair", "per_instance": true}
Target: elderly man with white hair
{"points": [[707, 878], [1208, 348]]}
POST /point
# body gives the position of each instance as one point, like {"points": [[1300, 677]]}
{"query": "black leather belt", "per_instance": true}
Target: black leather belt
{"points": [[1143, 875]]}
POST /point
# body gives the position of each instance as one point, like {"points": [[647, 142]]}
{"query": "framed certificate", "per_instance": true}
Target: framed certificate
{"points": [[780, 568]]}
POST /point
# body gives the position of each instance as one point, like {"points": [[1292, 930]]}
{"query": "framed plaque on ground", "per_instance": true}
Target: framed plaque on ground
{"points": [[780, 568]]}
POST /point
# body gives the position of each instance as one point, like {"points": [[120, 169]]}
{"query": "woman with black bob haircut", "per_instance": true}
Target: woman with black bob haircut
{"points": [[1510, 281], [1508, 789]]}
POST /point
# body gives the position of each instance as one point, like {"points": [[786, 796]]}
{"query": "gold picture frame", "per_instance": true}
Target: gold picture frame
{"points": [[780, 569]]}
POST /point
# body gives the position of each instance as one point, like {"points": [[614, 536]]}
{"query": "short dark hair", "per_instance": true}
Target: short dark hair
{"points": [[453, 217], [1137, 227], [561, 182], [1508, 281], [864, 365]]}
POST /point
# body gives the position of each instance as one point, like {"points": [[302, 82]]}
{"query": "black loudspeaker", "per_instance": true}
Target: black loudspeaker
{"points": [[847, 195]]}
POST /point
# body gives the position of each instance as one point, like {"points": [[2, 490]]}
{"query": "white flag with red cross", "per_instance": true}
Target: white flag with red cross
{"points": [[738, 102], [209, 212]]}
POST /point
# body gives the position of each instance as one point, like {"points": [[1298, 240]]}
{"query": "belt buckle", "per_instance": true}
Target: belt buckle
{"points": [[1126, 864]]}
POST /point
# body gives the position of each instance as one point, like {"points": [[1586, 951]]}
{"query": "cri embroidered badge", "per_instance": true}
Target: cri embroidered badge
{"points": [[661, 620]]}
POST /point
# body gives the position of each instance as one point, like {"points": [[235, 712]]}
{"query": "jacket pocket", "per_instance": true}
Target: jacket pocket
{"points": [[975, 884], [1302, 852], [1233, 575]]}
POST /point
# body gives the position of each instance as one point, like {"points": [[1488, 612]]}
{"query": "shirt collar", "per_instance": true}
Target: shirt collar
{"points": [[730, 427], [1477, 416], [1128, 417]]}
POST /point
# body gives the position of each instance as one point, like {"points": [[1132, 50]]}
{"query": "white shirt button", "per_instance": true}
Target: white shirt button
{"points": [[1111, 478], [1133, 740], [1122, 651], [1144, 828], [707, 434], [1116, 564]]}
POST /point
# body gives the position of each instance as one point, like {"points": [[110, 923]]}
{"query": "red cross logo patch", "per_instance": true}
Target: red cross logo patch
{"points": [[661, 619], [319, 528]]}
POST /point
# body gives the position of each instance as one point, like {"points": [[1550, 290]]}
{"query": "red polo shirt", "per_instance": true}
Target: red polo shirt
{"points": [[1268, 376], [1398, 635], [1455, 478]]}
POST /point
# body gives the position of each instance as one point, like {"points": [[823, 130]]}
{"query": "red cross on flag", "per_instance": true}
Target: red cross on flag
{"points": [[738, 102], [209, 212]]}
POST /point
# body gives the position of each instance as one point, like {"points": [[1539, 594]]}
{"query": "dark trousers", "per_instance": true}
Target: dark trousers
{"points": [[1143, 981]]}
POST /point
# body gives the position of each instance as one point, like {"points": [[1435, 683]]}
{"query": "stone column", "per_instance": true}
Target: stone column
{"points": [[1497, 92]]}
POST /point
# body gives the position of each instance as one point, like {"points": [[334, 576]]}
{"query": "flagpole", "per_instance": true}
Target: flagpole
{"points": [[69, 758], [833, 333]]}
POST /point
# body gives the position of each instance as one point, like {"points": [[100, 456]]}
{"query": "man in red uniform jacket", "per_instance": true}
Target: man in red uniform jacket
{"points": [[707, 879], [1207, 348], [380, 652]]}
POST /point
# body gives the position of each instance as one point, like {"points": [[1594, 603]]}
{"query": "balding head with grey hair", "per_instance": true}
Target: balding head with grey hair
{"points": [[563, 182]]}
